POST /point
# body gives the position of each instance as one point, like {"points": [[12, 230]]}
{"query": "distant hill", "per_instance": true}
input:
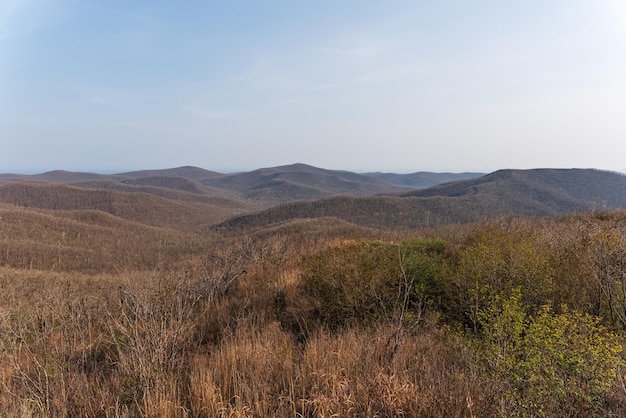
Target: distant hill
{"points": [[192, 198], [422, 179], [266, 186], [550, 190], [300, 181], [507, 192], [168, 182], [186, 172], [210, 195], [62, 176]]}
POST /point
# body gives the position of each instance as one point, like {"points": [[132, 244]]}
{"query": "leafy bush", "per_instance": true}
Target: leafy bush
{"points": [[495, 260], [362, 282], [547, 364]]}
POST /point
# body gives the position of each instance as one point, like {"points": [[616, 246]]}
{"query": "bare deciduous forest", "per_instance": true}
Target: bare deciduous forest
{"points": [[144, 303]]}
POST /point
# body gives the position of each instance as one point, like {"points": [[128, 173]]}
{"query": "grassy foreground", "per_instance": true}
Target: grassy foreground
{"points": [[521, 317]]}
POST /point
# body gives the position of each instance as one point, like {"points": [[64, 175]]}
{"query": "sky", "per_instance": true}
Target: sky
{"points": [[359, 85]]}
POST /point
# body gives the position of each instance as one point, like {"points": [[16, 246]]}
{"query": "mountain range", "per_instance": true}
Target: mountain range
{"points": [[193, 198], [539, 192]]}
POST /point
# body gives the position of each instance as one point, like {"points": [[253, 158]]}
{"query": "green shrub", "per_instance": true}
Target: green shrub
{"points": [[547, 364], [495, 261], [363, 282]]}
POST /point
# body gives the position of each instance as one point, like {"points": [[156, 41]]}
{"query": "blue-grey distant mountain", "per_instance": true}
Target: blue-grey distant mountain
{"points": [[422, 179], [68, 177], [265, 186], [186, 172]]}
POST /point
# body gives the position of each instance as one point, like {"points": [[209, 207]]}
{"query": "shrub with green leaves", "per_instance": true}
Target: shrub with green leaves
{"points": [[363, 282], [547, 364], [494, 260]]}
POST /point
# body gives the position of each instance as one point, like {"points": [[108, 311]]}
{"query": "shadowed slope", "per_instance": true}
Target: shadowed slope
{"points": [[507, 192], [174, 183], [556, 189], [300, 181]]}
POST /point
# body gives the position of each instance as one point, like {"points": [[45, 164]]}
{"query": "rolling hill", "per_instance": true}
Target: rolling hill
{"points": [[144, 208], [175, 183], [141, 294], [540, 192], [557, 190], [298, 182], [191, 198], [261, 188], [187, 172], [83, 240]]}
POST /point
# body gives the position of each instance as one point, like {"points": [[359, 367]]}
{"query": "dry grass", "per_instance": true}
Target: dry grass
{"points": [[149, 344], [182, 326]]}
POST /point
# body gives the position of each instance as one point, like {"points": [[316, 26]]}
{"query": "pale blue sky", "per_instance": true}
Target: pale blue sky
{"points": [[358, 85]]}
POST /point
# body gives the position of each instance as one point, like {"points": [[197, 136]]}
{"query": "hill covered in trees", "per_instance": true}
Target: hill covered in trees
{"points": [[503, 193], [563, 189]]}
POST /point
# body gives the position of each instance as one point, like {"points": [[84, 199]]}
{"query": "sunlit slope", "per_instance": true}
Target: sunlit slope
{"points": [[83, 240], [139, 207]]}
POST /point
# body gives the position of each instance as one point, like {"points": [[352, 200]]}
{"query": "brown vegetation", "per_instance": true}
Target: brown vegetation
{"points": [[241, 327], [110, 315], [139, 207]]}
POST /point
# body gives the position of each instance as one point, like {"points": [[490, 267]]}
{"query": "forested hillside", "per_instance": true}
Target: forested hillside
{"points": [[503, 193]]}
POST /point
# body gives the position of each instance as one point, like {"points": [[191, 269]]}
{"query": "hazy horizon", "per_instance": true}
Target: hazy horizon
{"points": [[234, 171], [365, 86]]}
